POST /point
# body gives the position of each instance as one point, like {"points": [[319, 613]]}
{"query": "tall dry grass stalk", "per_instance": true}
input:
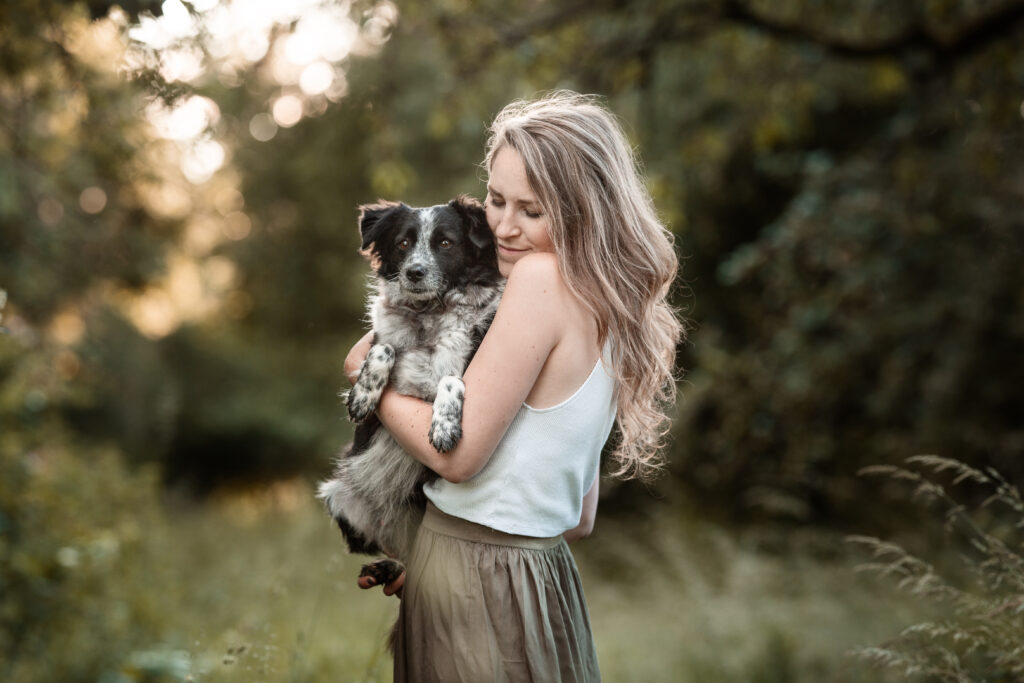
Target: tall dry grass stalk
{"points": [[981, 633]]}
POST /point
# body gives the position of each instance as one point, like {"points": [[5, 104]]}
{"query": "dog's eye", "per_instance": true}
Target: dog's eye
{"points": [[403, 245], [446, 244]]}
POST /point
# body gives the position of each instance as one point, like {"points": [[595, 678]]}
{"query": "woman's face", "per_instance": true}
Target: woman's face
{"points": [[513, 212]]}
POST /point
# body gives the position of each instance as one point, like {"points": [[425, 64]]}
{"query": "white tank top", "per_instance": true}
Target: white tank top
{"points": [[535, 481]]}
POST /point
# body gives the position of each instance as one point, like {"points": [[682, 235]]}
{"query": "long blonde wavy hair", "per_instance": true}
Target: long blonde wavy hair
{"points": [[612, 250]]}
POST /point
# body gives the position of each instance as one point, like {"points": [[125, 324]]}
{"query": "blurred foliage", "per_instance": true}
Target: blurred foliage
{"points": [[102, 578], [845, 180], [70, 126], [70, 518], [865, 303]]}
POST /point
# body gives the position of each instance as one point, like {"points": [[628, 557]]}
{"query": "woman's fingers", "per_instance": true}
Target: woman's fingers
{"points": [[389, 589], [395, 586]]}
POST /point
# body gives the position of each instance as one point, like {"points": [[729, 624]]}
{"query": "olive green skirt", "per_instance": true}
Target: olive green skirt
{"points": [[480, 605]]}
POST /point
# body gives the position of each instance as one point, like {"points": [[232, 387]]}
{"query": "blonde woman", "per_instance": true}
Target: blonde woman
{"points": [[583, 338]]}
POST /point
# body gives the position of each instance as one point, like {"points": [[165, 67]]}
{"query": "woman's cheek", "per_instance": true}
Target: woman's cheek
{"points": [[492, 218]]}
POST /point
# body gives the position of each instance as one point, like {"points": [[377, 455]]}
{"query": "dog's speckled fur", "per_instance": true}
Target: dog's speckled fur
{"points": [[437, 288]]}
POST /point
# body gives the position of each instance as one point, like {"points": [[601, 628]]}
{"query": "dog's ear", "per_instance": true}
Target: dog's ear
{"points": [[475, 216], [374, 219]]}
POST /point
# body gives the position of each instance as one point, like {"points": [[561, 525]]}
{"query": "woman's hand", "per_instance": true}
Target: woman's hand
{"points": [[587, 515], [356, 356], [393, 588]]}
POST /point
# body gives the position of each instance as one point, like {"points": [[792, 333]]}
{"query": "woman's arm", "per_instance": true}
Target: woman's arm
{"points": [[356, 356], [587, 516], [526, 327]]}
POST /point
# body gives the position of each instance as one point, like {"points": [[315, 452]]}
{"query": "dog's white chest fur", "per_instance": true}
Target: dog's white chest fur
{"points": [[431, 344]]}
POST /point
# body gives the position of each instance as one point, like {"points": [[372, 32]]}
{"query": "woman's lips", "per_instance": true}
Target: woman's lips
{"points": [[508, 250]]}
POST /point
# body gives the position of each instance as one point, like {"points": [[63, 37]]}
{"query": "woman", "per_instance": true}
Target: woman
{"points": [[583, 337]]}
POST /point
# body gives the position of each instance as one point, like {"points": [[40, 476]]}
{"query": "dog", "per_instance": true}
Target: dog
{"points": [[436, 289]]}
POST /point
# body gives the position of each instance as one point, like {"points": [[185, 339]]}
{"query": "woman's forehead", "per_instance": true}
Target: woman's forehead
{"points": [[508, 175]]}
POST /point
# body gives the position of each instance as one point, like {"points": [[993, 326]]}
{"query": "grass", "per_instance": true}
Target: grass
{"points": [[980, 634], [692, 602], [267, 593], [258, 588]]}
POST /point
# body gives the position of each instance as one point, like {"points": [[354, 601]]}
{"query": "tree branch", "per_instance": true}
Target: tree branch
{"points": [[970, 37]]}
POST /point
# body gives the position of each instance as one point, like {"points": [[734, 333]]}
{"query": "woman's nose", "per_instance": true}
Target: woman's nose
{"points": [[506, 225]]}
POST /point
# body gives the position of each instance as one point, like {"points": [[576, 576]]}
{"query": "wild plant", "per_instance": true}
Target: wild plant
{"points": [[979, 599]]}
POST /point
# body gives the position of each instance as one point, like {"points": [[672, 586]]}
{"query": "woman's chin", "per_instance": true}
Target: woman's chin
{"points": [[505, 267], [507, 260]]}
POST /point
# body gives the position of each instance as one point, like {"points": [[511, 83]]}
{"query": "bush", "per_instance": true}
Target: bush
{"points": [[75, 525]]}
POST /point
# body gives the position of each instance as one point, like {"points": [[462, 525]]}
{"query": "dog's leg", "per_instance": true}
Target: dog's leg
{"points": [[364, 396], [446, 423]]}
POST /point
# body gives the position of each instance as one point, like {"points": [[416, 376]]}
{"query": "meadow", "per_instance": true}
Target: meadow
{"points": [[258, 587]]}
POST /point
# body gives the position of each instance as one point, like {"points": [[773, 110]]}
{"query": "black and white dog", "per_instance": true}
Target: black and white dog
{"points": [[437, 287]]}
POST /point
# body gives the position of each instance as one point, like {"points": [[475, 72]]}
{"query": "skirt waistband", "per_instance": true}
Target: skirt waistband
{"points": [[443, 523]]}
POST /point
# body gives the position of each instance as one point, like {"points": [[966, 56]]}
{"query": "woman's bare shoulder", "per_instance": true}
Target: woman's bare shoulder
{"points": [[533, 298], [541, 293], [538, 275], [536, 265]]}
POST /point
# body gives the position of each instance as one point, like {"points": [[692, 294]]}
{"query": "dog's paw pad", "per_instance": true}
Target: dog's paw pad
{"points": [[382, 571]]}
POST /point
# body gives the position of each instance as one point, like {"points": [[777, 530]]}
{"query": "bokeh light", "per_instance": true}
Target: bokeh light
{"points": [[300, 43], [154, 314], [185, 120], [316, 78], [287, 111], [175, 22], [201, 160], [182, 64], [237, 225], [50, 211], [92, 200], [262, 127], [67, 327]]}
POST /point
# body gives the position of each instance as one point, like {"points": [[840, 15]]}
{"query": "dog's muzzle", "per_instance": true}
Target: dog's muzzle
{"points": [[419, 282], [415, 274]]}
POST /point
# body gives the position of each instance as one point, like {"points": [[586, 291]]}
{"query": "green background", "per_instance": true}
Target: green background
{"points": [[845, 182]]}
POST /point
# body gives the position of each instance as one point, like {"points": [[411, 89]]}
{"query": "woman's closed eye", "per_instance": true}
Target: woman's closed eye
{"points": [[499, 202]]}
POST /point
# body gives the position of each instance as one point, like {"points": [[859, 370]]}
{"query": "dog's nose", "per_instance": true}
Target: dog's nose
{"points": [[415, 273]]}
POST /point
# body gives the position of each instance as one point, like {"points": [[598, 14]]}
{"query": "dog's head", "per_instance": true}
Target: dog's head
{"points": [[422, 253]]}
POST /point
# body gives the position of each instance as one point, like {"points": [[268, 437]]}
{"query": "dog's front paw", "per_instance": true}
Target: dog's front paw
{"points": [[382, 571], [363, 398], [360, 405], [446, 423]]}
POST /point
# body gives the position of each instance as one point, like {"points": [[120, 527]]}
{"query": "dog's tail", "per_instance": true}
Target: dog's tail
{"points": [[333, 493]]}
